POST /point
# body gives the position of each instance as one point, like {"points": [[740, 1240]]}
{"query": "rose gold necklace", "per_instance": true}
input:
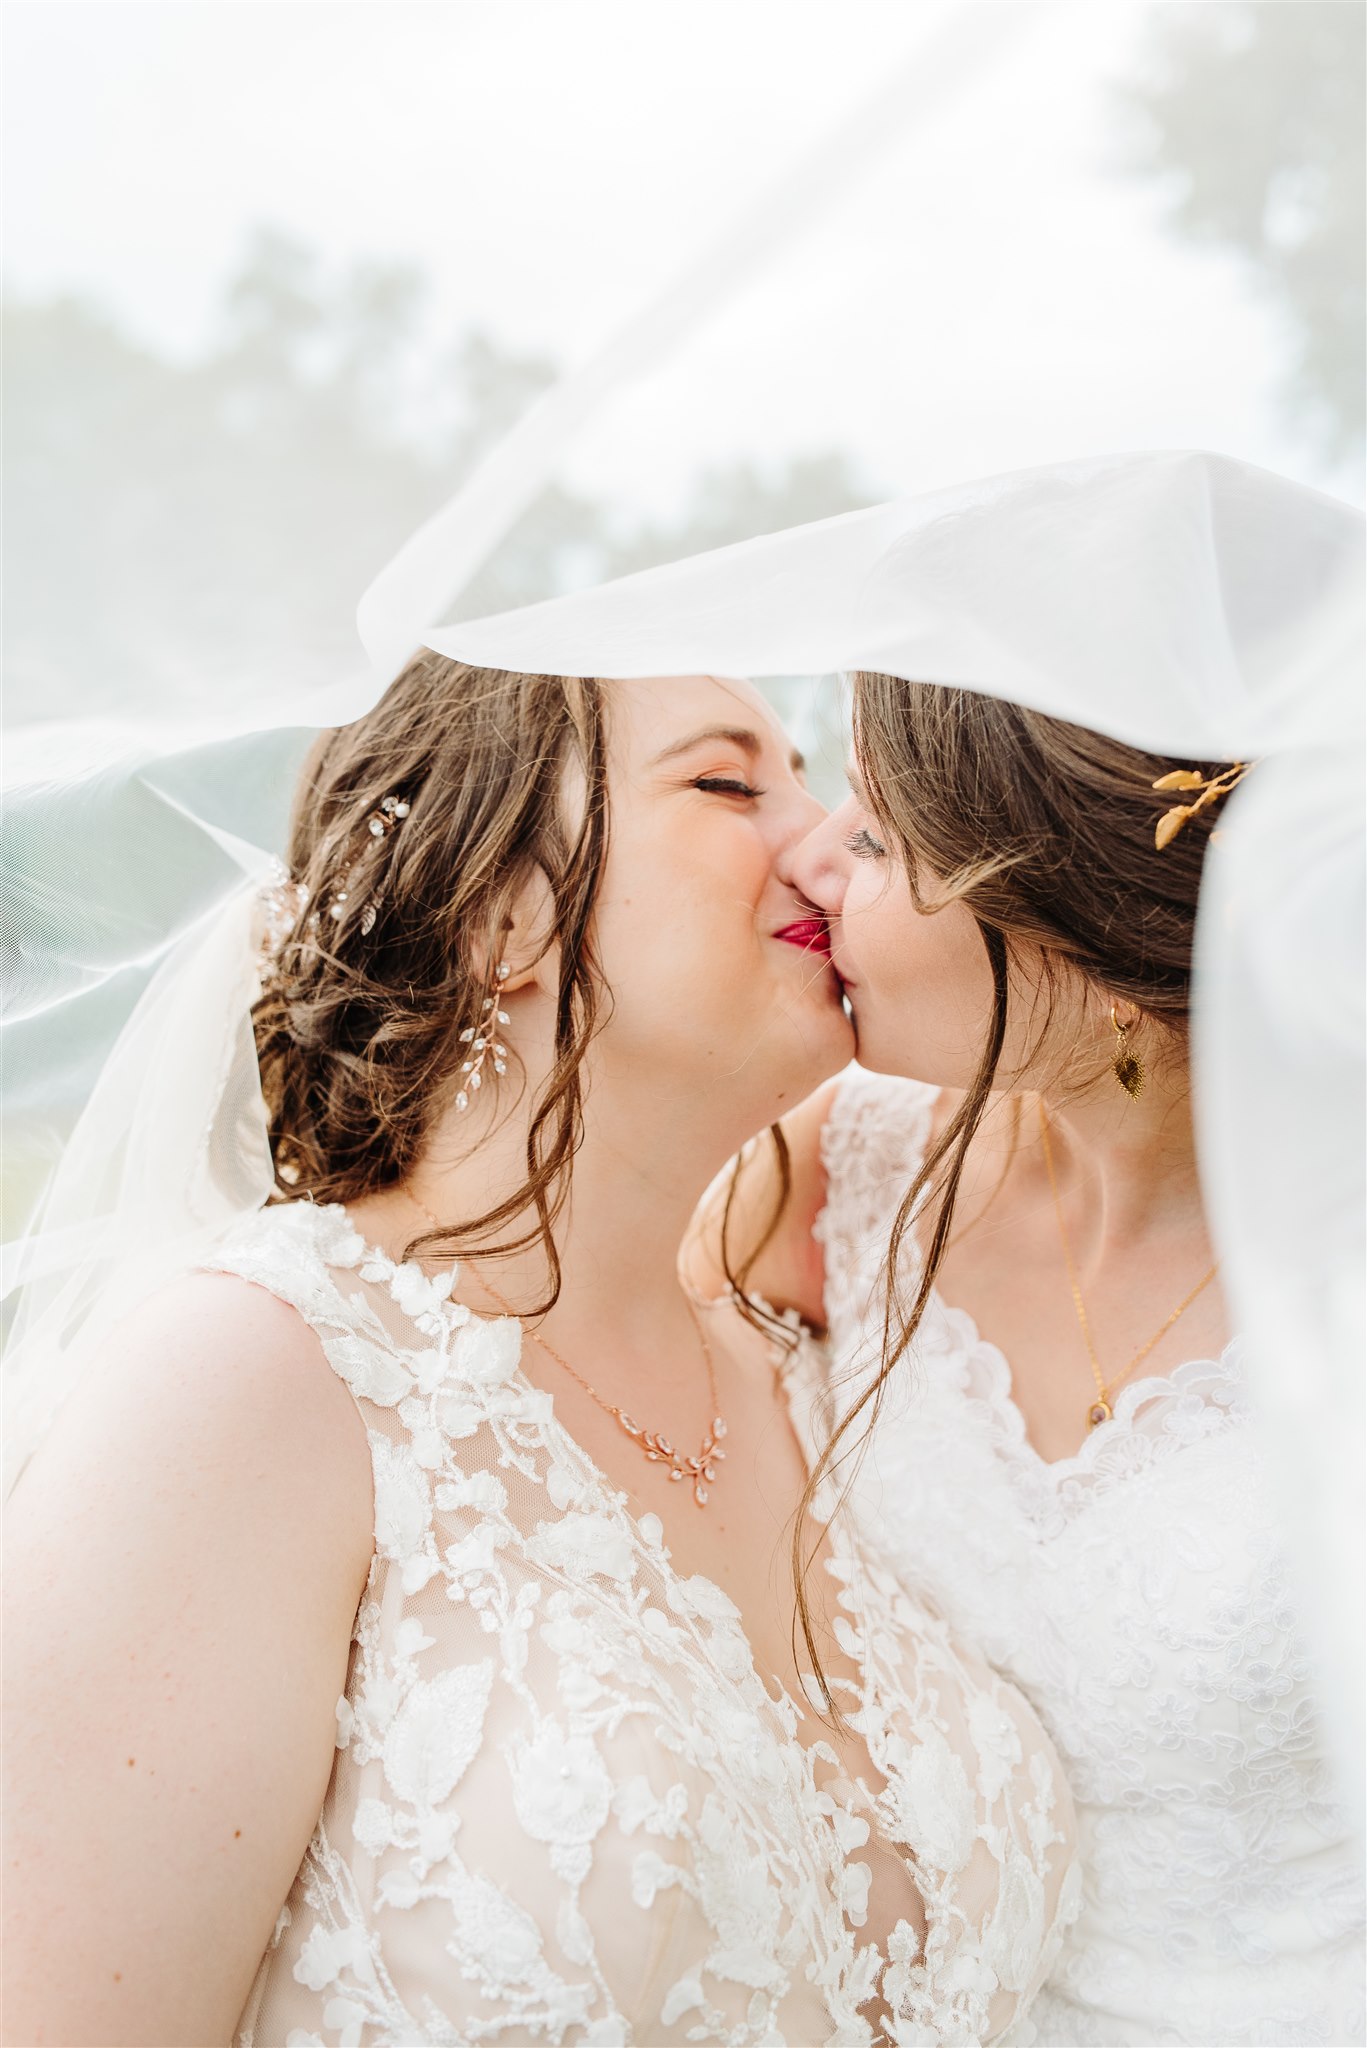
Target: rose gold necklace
{"points": [[701, 1468], [1102, 1409]]}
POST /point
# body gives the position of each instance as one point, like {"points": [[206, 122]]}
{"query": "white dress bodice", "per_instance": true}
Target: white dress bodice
{"points": [[1137, 1596], [565, 1807]]}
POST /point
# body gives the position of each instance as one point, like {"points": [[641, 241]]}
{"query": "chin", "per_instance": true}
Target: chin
{"points": [[876, 1052], [825, 1044]]}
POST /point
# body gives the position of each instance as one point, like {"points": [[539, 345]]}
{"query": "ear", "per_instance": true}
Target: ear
{"points": [[527, 955]]}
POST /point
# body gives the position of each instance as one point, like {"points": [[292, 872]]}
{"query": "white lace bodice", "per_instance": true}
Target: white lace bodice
{"points": [[565, 1807], [1137, 1596]]}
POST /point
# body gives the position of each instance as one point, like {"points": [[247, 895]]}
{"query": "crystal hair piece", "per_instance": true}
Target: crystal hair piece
{"points": [[1212, 788], [388, 815], [482, 1040]]}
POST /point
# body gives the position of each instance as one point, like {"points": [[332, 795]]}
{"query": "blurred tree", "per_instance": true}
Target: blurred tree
{"points": [[1253, 116], [180, 531], [187, 535]]}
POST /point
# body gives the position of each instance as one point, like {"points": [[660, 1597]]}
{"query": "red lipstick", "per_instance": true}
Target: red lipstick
{"points": [[812, 934]]}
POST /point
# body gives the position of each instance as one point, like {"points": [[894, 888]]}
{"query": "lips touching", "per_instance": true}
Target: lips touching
{"points": [[811, 934]]}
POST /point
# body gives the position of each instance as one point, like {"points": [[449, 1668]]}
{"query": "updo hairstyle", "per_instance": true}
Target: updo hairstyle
{"points": [[358, 1029]]}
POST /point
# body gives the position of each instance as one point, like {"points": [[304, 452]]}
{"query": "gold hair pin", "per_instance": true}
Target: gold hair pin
{"points": [[1212, 788]]}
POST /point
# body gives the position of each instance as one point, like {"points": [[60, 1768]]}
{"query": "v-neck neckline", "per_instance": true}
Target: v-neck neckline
{"points": [[1011, 1444], [608, 1496], [1221, 1368]]}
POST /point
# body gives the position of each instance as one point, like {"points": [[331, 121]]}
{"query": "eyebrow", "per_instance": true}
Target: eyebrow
{"points": [[740, 736]]}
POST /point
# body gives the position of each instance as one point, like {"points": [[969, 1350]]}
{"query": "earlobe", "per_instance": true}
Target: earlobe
{"points": [[508, 973], [525, 948]]}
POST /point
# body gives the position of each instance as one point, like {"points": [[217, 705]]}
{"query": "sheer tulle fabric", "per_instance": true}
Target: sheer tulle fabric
{"points": [[1139, 1596], [1200, 608], [170, 1149], [565, 1806], [1183, 601]]}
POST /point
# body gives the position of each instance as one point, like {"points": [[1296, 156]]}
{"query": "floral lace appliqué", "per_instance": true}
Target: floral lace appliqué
{"points": [[565, 1807]]}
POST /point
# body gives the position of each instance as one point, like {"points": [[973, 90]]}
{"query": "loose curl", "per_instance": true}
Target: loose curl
{"points": [[358, 1028], [1045, 830]]}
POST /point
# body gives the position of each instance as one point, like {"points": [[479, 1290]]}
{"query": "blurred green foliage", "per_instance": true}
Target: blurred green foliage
{"points": [[177, 530], [1251, 116]]}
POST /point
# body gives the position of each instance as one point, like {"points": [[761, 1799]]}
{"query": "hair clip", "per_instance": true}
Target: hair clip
{"points": [[386, 818], [1212, 788], [393, 810]]}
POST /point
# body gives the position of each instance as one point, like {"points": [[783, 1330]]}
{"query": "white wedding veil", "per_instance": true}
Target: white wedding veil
{"points": [[1193, 606], [1183, 602]]}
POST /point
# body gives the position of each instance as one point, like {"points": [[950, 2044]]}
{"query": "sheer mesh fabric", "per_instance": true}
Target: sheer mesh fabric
{"points": [[565, 1806]]}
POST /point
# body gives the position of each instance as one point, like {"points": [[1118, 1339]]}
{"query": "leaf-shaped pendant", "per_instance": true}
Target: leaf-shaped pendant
{"points": [[1129, 1071]]}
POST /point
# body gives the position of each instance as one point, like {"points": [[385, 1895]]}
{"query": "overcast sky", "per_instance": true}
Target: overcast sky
{"points": [[993, 291]]}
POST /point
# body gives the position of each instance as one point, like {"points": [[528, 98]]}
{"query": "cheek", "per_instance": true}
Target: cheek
{"points": [[924, 996], [679, 918], [879, 927]]}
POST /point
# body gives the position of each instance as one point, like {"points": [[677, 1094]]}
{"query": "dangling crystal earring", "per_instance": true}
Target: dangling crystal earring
{"points": [[482, 1040], [1127, 1066]]}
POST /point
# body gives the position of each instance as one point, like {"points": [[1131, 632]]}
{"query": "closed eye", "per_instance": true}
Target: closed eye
{"points": [[864, 846], [725, 785]]}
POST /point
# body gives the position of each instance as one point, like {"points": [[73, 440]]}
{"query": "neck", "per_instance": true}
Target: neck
{"points": [[644, 1162], [1129, 1163]]}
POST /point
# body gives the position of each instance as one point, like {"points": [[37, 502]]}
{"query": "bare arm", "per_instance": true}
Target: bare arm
{"points": [[184, 1561], [790, 1271]]}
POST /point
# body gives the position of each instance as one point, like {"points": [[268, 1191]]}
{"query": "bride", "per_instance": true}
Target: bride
{"points": [[398, 1641], [1010, 1247]]}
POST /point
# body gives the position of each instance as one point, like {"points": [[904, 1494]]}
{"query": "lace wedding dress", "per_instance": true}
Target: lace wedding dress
{"points": [[1136, 1596], [565, 1807]]}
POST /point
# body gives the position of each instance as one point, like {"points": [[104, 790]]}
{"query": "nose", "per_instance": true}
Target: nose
{"points": [[818, 866]]}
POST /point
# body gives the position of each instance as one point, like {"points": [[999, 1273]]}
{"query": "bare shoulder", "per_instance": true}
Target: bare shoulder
{"points": [[788, 1270], [185, 1555], [214, 1376]]}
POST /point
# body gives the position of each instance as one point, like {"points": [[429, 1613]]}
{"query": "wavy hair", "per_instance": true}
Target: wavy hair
{"points": [[358, 1029]]}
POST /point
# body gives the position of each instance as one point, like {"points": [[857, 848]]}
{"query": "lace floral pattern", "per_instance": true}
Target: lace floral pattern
{"points": [[1137, 1596], [565, 1807]]}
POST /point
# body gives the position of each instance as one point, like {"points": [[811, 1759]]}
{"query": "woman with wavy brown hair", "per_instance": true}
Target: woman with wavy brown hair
{"points": [[398, 1645], [1010, 1253]]}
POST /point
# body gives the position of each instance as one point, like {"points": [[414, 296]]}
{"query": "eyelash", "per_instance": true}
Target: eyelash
{"points": [[864, 846], [725, 786]]}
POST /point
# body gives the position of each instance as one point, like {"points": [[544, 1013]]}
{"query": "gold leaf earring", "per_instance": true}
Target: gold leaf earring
{"points": [[1126, 1065]]}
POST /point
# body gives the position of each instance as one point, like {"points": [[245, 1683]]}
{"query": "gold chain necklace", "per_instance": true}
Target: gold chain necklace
{"points": [[701, 1468], [1102, 1409]]}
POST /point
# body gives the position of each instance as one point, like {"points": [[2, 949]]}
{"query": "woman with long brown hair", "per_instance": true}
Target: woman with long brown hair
{"points": [[398, 1644], [1018, 1280]]}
